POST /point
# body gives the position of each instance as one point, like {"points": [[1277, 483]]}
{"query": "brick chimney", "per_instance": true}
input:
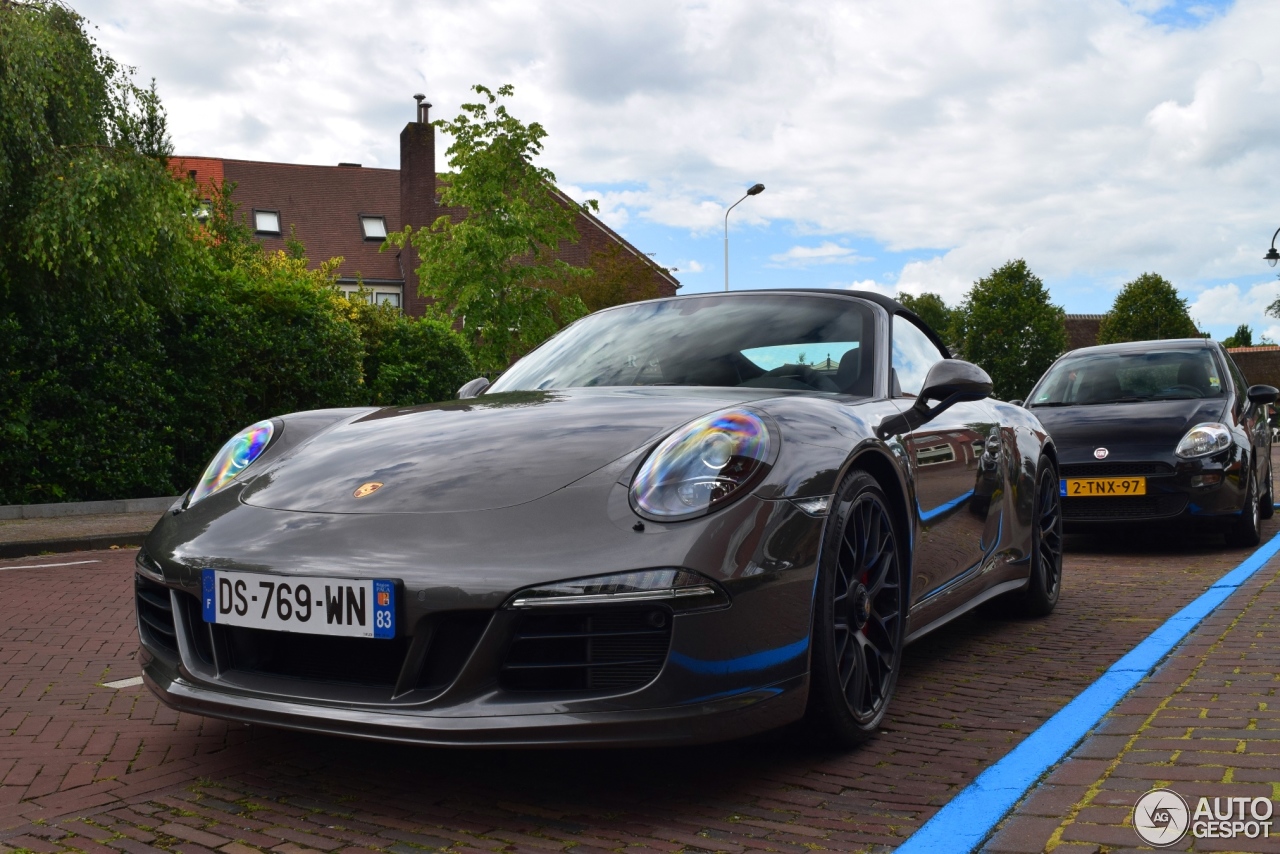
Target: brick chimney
{"points": [[417, 195]]}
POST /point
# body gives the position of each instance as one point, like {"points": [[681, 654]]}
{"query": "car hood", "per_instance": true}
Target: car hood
{"points": [[484, 453], [1146, 430]]}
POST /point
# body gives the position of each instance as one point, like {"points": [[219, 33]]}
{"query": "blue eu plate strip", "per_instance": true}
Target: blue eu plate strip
{"points": [[970, 816], [208, 595]]}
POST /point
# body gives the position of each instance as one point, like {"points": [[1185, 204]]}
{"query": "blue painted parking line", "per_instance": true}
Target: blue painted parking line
{"points": [[970, 816]]}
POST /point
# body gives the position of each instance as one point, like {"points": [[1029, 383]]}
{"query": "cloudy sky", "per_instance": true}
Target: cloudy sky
{"points": [[905, 146]]}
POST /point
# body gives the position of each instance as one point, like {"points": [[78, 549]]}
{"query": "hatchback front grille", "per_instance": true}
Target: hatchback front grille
{"points": [[155, 614], [1104, 509], [607, 649], [1115, 469]]}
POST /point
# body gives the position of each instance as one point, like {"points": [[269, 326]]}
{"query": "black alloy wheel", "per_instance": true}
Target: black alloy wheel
{"points": [[1267, 504], [1247, 531], [1045, 582], [860, 619]]}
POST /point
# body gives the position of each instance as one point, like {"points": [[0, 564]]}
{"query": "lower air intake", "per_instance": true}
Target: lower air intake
{"points": [[607, 649], [155, 614]]}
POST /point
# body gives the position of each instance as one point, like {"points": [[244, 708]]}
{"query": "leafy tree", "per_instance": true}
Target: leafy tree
{"points": [[619, 277], [87, 206], [931, 309], [1007, 326], [1147, 309], [1243, 337], [94, 237], [495, 269]]}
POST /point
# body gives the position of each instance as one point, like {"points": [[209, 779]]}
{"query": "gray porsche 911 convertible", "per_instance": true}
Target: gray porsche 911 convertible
{"points": [[675, 521]]}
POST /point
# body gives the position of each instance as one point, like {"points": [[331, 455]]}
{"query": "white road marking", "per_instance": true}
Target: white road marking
{"points": [[131, 682], [43, 565]]}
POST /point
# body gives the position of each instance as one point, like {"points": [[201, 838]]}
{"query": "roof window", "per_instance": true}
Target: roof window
{"points": [[374, 227], [266, 222]]}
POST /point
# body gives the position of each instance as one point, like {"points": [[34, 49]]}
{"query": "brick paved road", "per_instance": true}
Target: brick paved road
{"points": [[88, 768], [1206, 724]]}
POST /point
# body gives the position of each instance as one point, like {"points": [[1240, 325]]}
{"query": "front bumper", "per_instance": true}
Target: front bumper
{"points": [[449, 677], [712, 720], [1173, 492]]}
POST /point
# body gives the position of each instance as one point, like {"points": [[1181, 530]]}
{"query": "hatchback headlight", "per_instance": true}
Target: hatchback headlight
{"points": [[705, 464], [236, 456], [1203, 440]]}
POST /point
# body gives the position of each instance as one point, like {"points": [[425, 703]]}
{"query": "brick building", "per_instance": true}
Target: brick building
{"points": [[1082, 330], [347, 210]]}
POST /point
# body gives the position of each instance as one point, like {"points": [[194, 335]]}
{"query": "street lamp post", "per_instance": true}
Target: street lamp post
{"points": [[1272, 255], [754, 191]]}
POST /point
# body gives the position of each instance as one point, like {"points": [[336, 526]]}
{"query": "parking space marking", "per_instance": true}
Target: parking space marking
{"points": [[968, 818], [131, 682], [43, 565]]}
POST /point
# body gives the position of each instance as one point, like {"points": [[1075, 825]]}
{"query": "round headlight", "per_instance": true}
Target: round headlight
{"points": [[703, 465], [235, 456], [1204, 439]]}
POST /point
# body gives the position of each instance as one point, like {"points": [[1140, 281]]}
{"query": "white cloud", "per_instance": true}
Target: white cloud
{"points": [[692, 267], [808, 256], [1225, 304], [1080, 136], [874, 286]]}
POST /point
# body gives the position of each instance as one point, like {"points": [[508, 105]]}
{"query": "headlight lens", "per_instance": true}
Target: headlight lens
{"points": [[1204, 439], [682, 588], [703, 465], [235, 456]]}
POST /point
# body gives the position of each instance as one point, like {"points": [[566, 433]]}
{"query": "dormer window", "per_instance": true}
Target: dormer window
{"points": [[266, 222], [374, 227]]}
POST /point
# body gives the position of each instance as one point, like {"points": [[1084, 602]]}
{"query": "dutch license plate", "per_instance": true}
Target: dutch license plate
{"points": [[1086, 487], [363, 608]]}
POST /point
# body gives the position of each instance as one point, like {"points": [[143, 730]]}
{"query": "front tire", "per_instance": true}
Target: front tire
{"points": [[860, 615], [1267, 505], [1247, 531], [1045, 583]]}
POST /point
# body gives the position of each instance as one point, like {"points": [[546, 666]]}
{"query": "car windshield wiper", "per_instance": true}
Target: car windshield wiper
{"points": [[1052, 403]]}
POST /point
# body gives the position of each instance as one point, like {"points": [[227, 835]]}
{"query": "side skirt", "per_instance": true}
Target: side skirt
{"points": [[968, 605]]}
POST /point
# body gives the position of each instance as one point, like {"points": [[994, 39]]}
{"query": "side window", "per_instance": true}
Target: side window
{"points": [[1237, 378], [913, 355]]}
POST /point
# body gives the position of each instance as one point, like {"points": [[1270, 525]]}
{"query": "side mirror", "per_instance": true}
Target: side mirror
{"points": [[1262, 394], [950, 381], [953, 378], [473, 388], [1016, 402]]}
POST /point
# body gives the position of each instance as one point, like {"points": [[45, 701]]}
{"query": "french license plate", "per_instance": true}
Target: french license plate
{"points": [[363, 608], [1087, 487]]}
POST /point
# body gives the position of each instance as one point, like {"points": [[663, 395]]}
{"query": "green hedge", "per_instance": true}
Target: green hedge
{"points": [[133, 402]]}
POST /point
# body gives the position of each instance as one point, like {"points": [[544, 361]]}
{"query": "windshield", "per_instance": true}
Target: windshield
{"points": [[768, 341], [1092, 378]]}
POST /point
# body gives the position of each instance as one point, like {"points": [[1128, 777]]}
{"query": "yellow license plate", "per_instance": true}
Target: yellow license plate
{"points": [[1088, 487]]}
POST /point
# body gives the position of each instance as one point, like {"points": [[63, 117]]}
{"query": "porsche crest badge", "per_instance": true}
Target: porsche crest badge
{"points": [[367, 489]]}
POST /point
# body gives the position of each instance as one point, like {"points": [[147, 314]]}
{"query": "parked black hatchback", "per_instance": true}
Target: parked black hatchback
{"points": [[1159, 430]]}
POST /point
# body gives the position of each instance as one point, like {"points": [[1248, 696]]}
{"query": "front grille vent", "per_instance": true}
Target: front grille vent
{"points": [[316, 658], [1104, 509], [432, 665], [155, 614], [1115, 469], [607, 649]]}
